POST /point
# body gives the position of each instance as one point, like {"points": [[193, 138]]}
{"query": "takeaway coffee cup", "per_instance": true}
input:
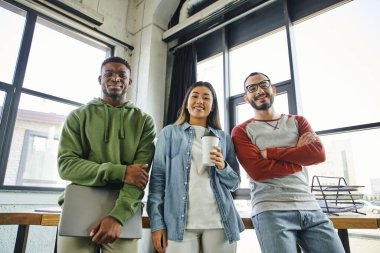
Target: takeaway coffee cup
{"points": [[209, 140]]}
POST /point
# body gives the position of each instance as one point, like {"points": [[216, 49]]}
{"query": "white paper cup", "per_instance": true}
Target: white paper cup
{"points": [[208, 143]]}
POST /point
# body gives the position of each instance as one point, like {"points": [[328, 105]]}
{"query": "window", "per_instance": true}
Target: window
{"points": [[76, 63], [338, 66], [12, 21], [340, 53], [37, 163], [268, 55], [330, 56], [33, 155], [47, 71], [338, 78], [352, 155], [211, 70]]}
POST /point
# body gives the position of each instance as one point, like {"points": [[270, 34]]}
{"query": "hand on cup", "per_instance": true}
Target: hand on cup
{"points": [[217, 158]]}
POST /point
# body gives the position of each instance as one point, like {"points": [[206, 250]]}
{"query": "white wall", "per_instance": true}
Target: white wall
{"points": [[149, 58]]}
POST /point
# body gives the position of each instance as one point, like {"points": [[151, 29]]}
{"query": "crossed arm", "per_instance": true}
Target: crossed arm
{"points": [[278, 161]]}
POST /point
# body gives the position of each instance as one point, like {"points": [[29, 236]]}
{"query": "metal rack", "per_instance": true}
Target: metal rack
{"points": [[335, 196]]}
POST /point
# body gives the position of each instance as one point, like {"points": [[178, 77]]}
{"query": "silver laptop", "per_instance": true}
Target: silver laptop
{"points": [[84, 206]]}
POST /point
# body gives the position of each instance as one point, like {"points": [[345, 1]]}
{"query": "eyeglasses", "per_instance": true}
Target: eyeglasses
{"points": [[253, 87]]}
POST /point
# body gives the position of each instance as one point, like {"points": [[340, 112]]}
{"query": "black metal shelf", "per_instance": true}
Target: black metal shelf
{"points": [[336, 197]]}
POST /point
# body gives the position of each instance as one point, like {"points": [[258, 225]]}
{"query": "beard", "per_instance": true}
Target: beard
{"points": [[113, 95], [264, 106]]}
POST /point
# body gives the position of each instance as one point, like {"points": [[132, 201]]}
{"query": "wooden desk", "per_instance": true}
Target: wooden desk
{"points": [[341, 223], [26, 218]]}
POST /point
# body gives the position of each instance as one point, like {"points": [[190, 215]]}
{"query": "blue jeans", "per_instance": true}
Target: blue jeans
{"points": [[280, 231]]}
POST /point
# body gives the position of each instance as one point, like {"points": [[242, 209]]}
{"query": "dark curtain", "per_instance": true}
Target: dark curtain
{"points": [[183, 76]]}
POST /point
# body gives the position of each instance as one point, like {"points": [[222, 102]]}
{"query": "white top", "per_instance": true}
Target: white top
{"points": [[203, 212]]}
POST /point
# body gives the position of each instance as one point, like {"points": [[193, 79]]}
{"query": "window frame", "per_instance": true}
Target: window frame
{"points": [[220, 41], [14, 90]]}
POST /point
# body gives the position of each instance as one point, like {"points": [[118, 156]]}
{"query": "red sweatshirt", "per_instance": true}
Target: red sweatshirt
{"points": [[283, 157], [278, 182]]}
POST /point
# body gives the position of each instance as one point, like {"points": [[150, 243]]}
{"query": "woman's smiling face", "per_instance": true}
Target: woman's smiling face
{"points": [[199, 105]]}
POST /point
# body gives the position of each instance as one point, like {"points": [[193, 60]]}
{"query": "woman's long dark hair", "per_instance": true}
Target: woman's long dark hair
{"points": [[212, 119]]}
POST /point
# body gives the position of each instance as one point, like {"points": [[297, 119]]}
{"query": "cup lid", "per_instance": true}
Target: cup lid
{"points": [[209, 134]]}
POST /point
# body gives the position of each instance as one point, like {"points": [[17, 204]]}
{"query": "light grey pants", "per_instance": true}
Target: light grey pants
{"points": [[202, 240], [68, 244]]}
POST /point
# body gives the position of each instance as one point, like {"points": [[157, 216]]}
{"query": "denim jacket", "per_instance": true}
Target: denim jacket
{"points": [[168, 187]]}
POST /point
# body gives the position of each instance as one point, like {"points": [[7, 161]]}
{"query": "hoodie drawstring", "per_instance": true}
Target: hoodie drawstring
{"points": [[121, 131], [106, 123]]}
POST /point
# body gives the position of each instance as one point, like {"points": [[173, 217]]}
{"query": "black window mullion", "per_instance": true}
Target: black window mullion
{"points": [[288, 87], [234, 101], [26, 44], [226, 79], [50, 97], [292, 96], [9, 91], [341, 130]]}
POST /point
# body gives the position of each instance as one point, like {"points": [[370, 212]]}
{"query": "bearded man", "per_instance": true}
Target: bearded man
{"points": [[273, 149]]}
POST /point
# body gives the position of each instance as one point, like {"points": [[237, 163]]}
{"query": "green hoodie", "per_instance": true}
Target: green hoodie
{"points": [[98, 142]]}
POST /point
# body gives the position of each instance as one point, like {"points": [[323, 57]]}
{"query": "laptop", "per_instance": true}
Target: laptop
{"points": [[84, 206]]}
